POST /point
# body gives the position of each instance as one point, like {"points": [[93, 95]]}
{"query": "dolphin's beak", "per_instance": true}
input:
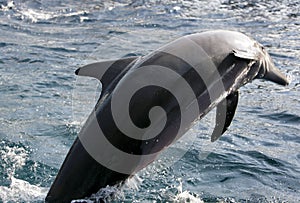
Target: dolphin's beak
{"points": [[274, 75]]}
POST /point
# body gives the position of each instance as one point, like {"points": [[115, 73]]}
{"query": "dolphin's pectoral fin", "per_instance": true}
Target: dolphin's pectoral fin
{"points": [[251, 55], [224, 115], [105, 71]]}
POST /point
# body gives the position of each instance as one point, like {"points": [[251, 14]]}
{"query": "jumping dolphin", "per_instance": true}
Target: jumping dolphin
{"points": [[148, 102]]}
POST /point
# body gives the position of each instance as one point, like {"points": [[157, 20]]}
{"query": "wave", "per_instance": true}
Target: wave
{"points": [[22, 191], [18, 190]]}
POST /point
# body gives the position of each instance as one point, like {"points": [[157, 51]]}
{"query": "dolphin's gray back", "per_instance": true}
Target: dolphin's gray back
{"points": [[222, 42]]}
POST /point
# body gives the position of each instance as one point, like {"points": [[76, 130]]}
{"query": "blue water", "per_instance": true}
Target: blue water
{"points": [[43, 104]]}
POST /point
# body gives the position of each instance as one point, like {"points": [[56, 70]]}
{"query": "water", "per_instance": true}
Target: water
{"points": [[42, 106]]}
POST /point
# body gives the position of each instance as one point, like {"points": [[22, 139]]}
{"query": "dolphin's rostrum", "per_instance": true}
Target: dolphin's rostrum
{"points": [[148, 102]]}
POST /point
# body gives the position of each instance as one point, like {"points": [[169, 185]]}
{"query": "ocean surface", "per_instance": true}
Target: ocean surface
{"points": [[43, 104]]}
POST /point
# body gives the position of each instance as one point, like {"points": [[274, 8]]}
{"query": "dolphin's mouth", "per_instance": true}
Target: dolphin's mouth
{"points": [[274, 75], [270, 72]]}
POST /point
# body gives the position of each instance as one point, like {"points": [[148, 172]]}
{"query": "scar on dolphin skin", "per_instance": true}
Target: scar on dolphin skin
{"points": [[148, 102]]}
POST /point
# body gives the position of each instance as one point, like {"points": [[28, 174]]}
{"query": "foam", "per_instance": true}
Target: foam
{"points": [[22, 191], [19, 190], [185, 196]]}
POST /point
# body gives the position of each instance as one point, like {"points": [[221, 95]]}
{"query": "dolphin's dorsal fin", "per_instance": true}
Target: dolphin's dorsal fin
{"points": [[224, 115], [105, 71]]}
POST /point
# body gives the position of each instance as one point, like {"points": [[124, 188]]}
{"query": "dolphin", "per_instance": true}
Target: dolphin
{"points": [[148, 102]]}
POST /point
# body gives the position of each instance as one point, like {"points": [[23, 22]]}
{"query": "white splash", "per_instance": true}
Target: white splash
{"points": [[133, 183], [18, 190], [186, 196], [14, 157], [103, 195], [38, 15], [10, 5], [21, 191], [116, 192]]}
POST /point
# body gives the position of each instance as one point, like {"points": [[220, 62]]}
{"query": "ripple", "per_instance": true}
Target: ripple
{"points": [[283, 117]]}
